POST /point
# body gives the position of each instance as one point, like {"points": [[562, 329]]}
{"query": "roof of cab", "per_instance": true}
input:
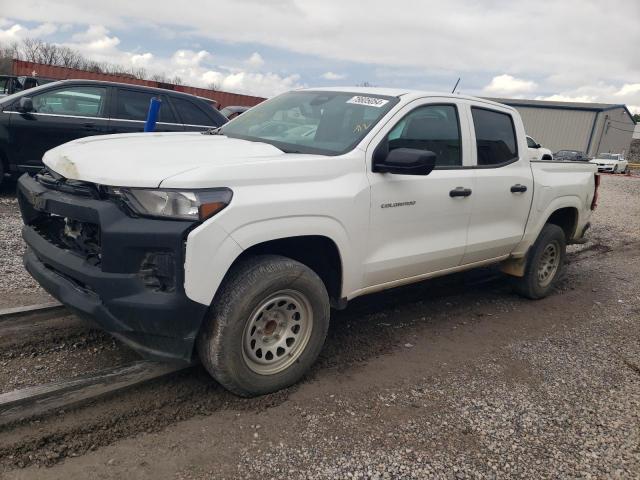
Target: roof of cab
{"points": [[397, 92]]}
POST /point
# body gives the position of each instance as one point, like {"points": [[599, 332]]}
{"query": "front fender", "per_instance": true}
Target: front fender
{"points": [[210, 250]]}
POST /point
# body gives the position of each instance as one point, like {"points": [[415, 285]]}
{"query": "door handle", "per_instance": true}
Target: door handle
{"points": [[517, 188], [460, 192], [90, 126]]}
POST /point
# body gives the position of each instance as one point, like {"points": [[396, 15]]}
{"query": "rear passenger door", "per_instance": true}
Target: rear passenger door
{"points": [[193, 117], [503, 184], [130, 110]]}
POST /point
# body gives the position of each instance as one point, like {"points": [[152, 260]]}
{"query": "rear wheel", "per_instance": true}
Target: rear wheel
{"points": [[266, 327], [545, 264]]}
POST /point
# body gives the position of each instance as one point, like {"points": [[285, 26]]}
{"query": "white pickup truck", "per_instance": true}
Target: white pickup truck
{"points": [[233, 245]]}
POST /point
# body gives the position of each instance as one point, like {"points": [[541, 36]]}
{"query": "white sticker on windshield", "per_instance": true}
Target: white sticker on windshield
{"points": [[370, 101]]}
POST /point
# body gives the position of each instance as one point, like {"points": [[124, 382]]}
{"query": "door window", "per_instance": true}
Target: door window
{"points": [[495, 137], [191, 113], [74, 101], [531, 143], [134, 105], [433, 128]]}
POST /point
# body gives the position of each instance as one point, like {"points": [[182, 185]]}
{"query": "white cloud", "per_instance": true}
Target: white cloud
{"points": [[629, 89], [333, 76], [255, 60], [16, 32], [96, 37], [509, 86], [189, 58]]}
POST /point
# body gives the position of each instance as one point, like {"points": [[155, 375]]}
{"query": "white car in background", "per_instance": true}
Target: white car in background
{"points": [[611, 162], [537, 151]]}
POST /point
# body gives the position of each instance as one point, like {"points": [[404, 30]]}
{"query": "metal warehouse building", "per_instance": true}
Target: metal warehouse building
{"points": [[588, 127]]}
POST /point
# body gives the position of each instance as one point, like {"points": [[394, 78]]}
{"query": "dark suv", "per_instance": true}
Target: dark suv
{"points": [[36, 120]]}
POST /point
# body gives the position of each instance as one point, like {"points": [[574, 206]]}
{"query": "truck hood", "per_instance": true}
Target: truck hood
{"points": [[146, 159]]}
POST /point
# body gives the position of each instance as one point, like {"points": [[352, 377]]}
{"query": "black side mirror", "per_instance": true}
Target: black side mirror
{"points": [[406, 161], [538, 145], [25, 105]]}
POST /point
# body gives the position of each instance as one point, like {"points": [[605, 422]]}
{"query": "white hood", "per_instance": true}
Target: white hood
{"points": [[605, 161], [146, 159]]}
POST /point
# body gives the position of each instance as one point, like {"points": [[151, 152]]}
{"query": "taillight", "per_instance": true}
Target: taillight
{"points": [[594, 202]]}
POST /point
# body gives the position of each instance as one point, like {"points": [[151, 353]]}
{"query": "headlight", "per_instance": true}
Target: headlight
{"points": [[180, 205]]}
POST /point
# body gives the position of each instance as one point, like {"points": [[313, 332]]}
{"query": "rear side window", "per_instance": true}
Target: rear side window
{"points": [[191, 113], [495, 137], [134, 105], [433, 128]]}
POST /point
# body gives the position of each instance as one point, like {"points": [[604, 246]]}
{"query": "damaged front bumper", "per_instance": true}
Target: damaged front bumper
{"points": [[125, 273]]}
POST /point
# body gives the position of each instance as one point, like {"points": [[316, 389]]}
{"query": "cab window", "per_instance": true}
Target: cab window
{"points": [[434, 128], [495, 137], [74, 101]]}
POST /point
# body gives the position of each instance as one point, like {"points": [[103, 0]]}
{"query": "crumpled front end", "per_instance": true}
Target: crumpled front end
{"points": [[124, 273]]}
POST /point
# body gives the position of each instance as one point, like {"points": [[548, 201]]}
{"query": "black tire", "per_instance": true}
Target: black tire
{"points": [[238, 306], [531, 285]]}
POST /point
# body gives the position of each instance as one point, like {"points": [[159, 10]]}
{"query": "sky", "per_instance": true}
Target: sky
{"points": [[573, 50]]}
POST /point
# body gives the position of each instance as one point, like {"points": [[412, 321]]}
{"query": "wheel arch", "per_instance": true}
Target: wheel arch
{"points": [[567, 219], [318, 252], [321, 243]]}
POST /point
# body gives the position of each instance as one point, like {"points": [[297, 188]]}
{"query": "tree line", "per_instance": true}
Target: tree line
{"points": [[38, 51]]}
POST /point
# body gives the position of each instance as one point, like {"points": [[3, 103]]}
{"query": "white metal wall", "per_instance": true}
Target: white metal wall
{"points": [[558, 129], [613, 132]]}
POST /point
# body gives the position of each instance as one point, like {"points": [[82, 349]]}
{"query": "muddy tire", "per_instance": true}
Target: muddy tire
{"points": [[545, 264], [266, 327]]}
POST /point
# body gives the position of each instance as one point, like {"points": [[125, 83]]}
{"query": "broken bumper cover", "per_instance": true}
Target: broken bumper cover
{"points": [[115, 283]]}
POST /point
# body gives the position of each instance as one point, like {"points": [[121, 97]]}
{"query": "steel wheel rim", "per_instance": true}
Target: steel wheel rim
{"points": [[277, 332], [548, 265]]}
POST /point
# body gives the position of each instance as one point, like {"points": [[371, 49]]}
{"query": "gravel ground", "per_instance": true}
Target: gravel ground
{"points": [[454, 378], [16, 285]]}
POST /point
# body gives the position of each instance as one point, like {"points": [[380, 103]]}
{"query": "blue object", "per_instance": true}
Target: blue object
{"points": [[152, 116]]}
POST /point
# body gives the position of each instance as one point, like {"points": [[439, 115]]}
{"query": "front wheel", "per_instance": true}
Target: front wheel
{"points": [[266, 326], [545, 264]]}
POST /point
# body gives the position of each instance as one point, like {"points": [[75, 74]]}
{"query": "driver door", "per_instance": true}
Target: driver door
{"points": [[417, 224], [60, 115]]}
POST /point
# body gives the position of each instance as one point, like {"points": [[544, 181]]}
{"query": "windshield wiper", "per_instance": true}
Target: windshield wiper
{"points": [[213, 131]]}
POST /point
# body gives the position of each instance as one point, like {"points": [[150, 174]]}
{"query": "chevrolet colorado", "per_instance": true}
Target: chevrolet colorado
{"points": [[232, 245]]}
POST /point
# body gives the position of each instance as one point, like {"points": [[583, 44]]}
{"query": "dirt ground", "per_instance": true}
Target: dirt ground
{"points": [[451, 378]]}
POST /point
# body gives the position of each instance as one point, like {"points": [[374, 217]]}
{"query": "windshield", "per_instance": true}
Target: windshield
{"points": [[327, 123], [609, 156]]}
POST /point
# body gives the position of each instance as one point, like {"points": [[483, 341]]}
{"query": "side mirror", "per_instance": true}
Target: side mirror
{"points": [[406, 161], [538, 145], [25, 105]]}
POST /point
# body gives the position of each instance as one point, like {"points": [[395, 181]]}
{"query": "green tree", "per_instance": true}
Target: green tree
{"points": [[636, 117]]}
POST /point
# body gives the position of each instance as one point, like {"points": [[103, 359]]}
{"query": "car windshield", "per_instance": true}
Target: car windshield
{"points": [[327, 123], [609, 156]]}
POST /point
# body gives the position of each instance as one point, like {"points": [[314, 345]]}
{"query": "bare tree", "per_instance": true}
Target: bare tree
{"points": [[159, 77], [37, 51], [215, 86]]}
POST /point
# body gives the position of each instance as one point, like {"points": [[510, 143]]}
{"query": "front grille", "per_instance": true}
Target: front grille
{"points": [[82, 238], [53, 181]]}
